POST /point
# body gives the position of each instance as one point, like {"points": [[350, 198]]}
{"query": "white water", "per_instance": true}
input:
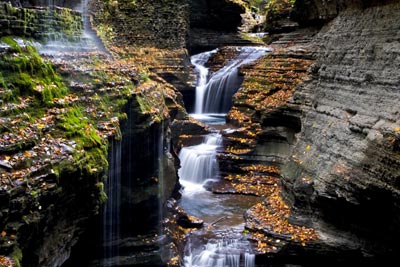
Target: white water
{"points": [[214, 94], [198, 62], [249, 259], [199, 163], [220, 253]]}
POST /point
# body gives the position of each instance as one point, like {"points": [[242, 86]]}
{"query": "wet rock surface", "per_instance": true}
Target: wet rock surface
{"points": [[41, 23]]}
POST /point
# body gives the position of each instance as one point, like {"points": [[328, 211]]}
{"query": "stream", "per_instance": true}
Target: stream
{"points": [[220, 243]]}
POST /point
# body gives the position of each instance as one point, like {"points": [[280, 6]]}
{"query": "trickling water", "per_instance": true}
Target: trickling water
{"points": [[215, 95], [111, 213], [88, 41]]}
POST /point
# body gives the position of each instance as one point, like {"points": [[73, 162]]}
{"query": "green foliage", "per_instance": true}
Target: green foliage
{"points": [[12, 43], [106, 33]]}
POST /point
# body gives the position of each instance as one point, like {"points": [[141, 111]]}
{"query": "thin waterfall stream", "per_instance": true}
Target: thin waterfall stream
{"points": [[221, 243]]}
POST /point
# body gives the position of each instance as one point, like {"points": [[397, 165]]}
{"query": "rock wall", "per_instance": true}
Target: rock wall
{"points": [[141, 23], [214, 24], [345, 168], [314, 12], [42, 24], [340, 174], [216, 15]]}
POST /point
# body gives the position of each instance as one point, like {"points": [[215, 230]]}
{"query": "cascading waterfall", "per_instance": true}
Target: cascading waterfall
{"points": [[220, 253], [214, 95], [199, 163], [198, 61]]}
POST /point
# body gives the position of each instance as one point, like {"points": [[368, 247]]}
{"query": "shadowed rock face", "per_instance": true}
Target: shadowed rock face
{"points": [[349, 143], [215, 15], [214, 23]]}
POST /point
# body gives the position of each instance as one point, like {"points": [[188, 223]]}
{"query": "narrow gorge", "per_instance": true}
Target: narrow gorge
{"points": [[196, 133]]}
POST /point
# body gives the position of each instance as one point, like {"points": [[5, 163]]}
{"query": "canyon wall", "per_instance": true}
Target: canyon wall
{"points": [[341, 174], [344, 171]]}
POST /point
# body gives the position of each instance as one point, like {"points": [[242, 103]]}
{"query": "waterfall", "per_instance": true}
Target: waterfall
{"points": [[199, 163], [220, 253], [249, 259], [214, 95], [111, 213], [198, 62], [87, 41]]}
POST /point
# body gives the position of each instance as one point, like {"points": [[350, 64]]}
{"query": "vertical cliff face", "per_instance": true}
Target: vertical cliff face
{"points": [[345, 168]]}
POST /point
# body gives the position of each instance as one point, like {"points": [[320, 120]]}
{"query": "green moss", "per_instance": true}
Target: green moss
{"points": [[79, 128], [93, 161], [24, 73], [106, 33], [102, 194]]}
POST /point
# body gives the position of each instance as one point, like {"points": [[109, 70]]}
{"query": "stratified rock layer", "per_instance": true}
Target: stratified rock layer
{"points": [[339, 122], [345, 169]]}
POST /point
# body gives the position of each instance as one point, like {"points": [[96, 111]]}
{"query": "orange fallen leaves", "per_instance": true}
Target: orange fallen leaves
{"points": [[6, 262], [273, 214]]}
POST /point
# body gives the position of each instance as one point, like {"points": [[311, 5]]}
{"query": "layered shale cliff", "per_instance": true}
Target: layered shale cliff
{"points": [[340, 174], [344, 172]]}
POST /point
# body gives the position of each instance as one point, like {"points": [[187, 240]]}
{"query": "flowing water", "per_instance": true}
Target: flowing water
{"points": [[88, 41], [111, 209], [214, 93], [221, 243]]}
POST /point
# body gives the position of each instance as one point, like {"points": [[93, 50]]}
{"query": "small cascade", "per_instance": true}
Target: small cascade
{"points": [[249, 259], [198, 62], [199, 162], [220, 253], [215, 95]]}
